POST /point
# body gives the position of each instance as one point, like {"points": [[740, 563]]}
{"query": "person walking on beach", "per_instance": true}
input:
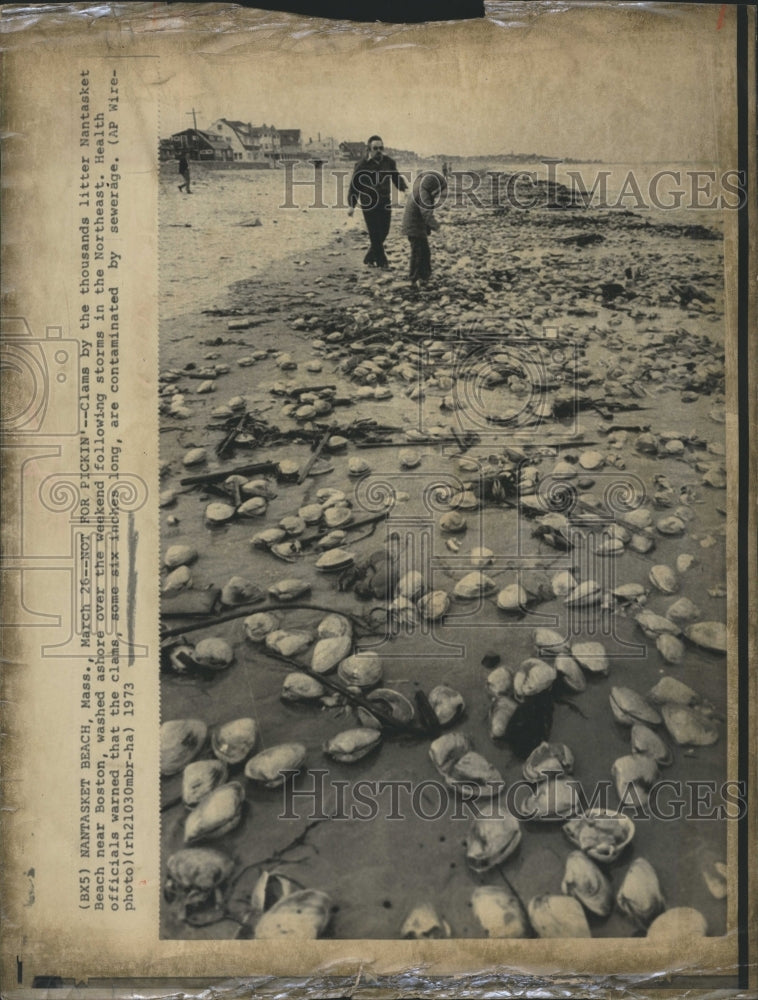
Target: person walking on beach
{"points": [[184, 171], [370, 188], [419, 221]]}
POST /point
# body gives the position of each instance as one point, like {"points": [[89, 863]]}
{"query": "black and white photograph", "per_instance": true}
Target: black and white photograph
{"points": [[443, 510], [378, 568]]}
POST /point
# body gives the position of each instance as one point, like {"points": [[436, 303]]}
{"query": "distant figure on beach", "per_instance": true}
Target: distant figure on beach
{"points": [[184, 171], [445, 169], [419, 221], [370, 188]]}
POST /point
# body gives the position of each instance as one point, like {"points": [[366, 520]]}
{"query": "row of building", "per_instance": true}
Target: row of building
{"points": [[264, 145]]}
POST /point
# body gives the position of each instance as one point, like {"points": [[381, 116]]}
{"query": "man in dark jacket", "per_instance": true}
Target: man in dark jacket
{"points": [[370, 188]]}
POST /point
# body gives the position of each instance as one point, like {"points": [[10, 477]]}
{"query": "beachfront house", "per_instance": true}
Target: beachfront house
{"points": [[352, 151], [199, 145], [239, 135], [290, 144]]}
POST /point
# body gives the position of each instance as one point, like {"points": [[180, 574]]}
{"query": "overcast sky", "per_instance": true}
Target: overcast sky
{"points": [[616, 85]]}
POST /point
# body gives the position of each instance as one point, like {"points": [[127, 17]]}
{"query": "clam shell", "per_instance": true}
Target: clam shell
{"points": [[558, 917], [213, 654], [258, 488], [499, 682], [654, 625], [327, 653], [409, 458], [689, 726], [199, 869], [179, 555], [176, 580], [335, 559], [645, 741], [499, 911], [358, 467], [337, 516], [219, 513], [553, 799], [670, 525], [300, 916], [200, 777], [362, 670], [683, 611], [352, 744], [195, 456], [181, 740], [629, 591], [708, 635], [447, 749], [311, 513], [288, 643], [591, 460], [584, 595], [481, 557], [629, 707], [641, 543], [266, 539], [254, 507], [447, 704], [332, 540], [670, 648], [289, 590], [585, 881], [512, 598], [638, 518], [548, 759], [549, 642], [601, 834], [532, 677], [682, 923], [473, 773], [611, 547], [563, 583], [634, 769], [570, 672], [592, 656], [411, 585], [423, 922], [472, 585], [301, 687], [640, 896], [715, 877], [292, 524], [434, 605], [234, 741], [287, 550], [452, 522], [258, 626], [334, 625], [238, 590], [669, 690], [270, 889], [502, 710], [267, 766], [664, 579], [491, 840], [391, 703], [217, 813]]}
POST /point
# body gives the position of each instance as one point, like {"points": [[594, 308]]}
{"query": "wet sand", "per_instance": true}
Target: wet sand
{"points": [[501, 277]]}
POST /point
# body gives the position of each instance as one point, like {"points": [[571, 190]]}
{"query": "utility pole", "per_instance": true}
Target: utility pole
{"points": [[194, 118]]}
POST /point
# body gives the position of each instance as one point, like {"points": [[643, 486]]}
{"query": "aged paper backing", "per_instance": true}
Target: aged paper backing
{"points": [[140, 61]]}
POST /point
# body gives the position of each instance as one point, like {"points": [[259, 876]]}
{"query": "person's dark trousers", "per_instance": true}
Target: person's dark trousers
{"points": [[378, 225], [421, 258]]}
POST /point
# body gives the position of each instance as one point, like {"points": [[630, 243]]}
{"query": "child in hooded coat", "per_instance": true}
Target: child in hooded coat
{"points": [[419, 221]]}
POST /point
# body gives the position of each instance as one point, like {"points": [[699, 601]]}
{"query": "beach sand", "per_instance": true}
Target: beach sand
{"points": [[500, 277]]}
